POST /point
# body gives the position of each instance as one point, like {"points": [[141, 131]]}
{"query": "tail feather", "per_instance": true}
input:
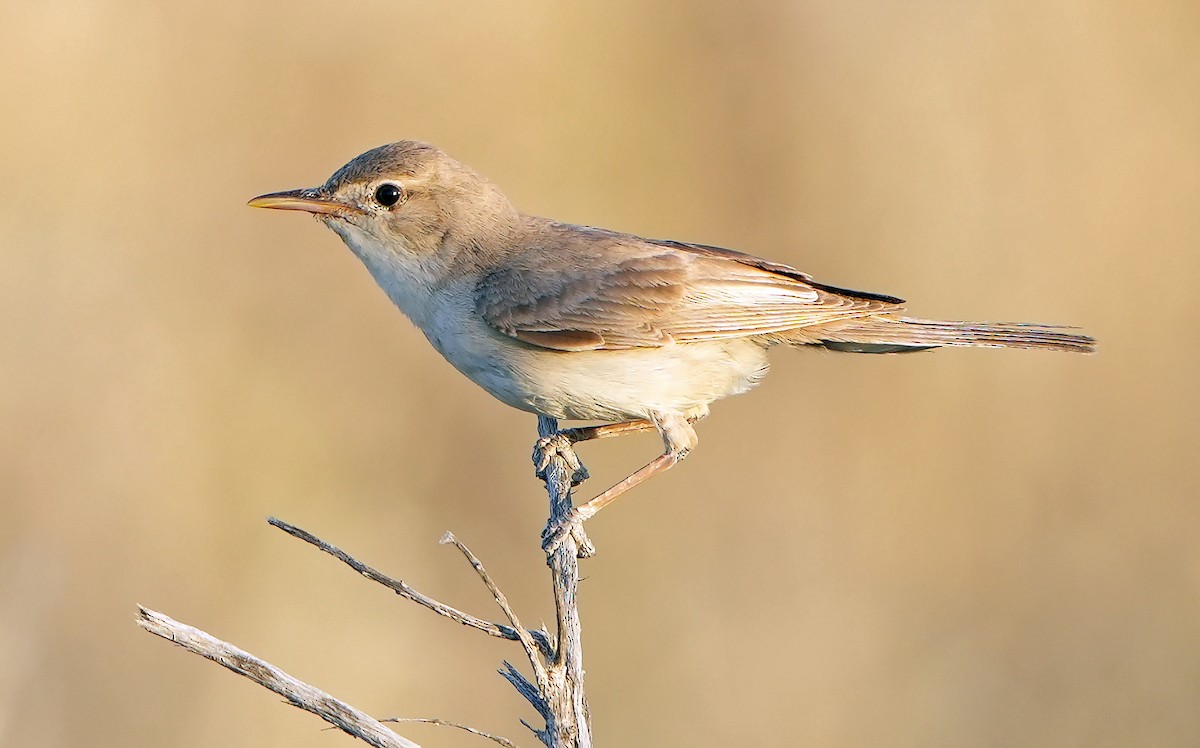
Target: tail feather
{"points": [[897, 334]]}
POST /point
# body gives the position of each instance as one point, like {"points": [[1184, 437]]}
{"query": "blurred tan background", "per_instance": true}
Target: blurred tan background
{"points": [[959, 548]]}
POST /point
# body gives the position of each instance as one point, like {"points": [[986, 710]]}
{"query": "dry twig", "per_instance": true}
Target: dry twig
{"points": [[298, 693], [443, 723], [403, 589], [556, 691]]}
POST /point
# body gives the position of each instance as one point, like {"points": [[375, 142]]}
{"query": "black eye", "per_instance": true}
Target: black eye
{"points": [[388, 194]]}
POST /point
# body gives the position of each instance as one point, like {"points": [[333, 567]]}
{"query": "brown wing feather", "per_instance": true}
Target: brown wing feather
{"points": [[578, 288]]}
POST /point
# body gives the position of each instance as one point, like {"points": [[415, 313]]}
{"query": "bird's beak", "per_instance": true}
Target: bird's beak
{"points": [[308, 200]]}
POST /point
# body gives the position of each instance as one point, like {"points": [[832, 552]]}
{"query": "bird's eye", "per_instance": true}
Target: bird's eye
{"points": [[388, 194]]}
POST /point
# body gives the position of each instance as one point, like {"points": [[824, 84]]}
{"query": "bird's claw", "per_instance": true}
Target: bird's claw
{"points": [[558, 445], [570, 525]]}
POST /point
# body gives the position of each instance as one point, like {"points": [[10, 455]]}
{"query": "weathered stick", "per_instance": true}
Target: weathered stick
{"points": [[403, 589], [571, 724], [556, 691], [465, 728], [298, 693]]}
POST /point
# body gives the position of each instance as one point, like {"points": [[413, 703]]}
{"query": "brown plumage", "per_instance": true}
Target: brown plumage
{"points": [[584, 323], [575, 288]]}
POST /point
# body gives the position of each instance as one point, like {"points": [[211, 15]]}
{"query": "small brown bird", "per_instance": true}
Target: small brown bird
{"points": [[576, 322]]}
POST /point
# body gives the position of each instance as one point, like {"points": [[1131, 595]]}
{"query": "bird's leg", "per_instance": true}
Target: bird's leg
{"points": [[587, 433], [679, 438], [559, 444]]}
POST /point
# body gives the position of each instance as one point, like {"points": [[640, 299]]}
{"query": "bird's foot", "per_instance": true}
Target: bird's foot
{"points": [[558, 445], [556, 533]]}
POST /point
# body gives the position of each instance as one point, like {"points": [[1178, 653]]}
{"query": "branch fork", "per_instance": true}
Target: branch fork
{"points": [[555, 690]]}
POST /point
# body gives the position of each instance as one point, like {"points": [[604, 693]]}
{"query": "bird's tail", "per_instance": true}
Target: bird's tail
{"points": [[885, 334]]}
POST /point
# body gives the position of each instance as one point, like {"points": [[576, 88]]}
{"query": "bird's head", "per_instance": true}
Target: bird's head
{"points": [[409, 198]]}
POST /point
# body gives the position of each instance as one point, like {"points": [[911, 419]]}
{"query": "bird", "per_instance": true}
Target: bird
{"points": [[582, 323]]}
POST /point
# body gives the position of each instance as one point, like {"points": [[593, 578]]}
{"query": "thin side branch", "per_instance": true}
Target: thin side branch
{"points": [[298, 693], [526, 689], [556, 690], [527, 643], [403, 589], [444, 723]]}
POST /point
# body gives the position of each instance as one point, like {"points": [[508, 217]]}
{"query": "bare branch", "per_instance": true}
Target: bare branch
{"points": [[526, 689], [571, 724], [556, 690], [298, 693], [443, 723], [527, 643], [403, 589]]}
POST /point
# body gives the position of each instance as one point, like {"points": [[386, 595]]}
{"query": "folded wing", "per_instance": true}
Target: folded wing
{"points": [[579, 289]]}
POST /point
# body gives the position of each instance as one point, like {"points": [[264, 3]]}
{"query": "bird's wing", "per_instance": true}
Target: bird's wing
{"points": [[577, 289]]}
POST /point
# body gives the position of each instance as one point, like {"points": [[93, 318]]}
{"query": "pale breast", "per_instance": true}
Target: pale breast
{"points": [[617, 385], [604, 385]]}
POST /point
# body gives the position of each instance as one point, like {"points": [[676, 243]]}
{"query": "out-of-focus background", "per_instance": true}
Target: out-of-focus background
{"points": [[986, 548]]}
